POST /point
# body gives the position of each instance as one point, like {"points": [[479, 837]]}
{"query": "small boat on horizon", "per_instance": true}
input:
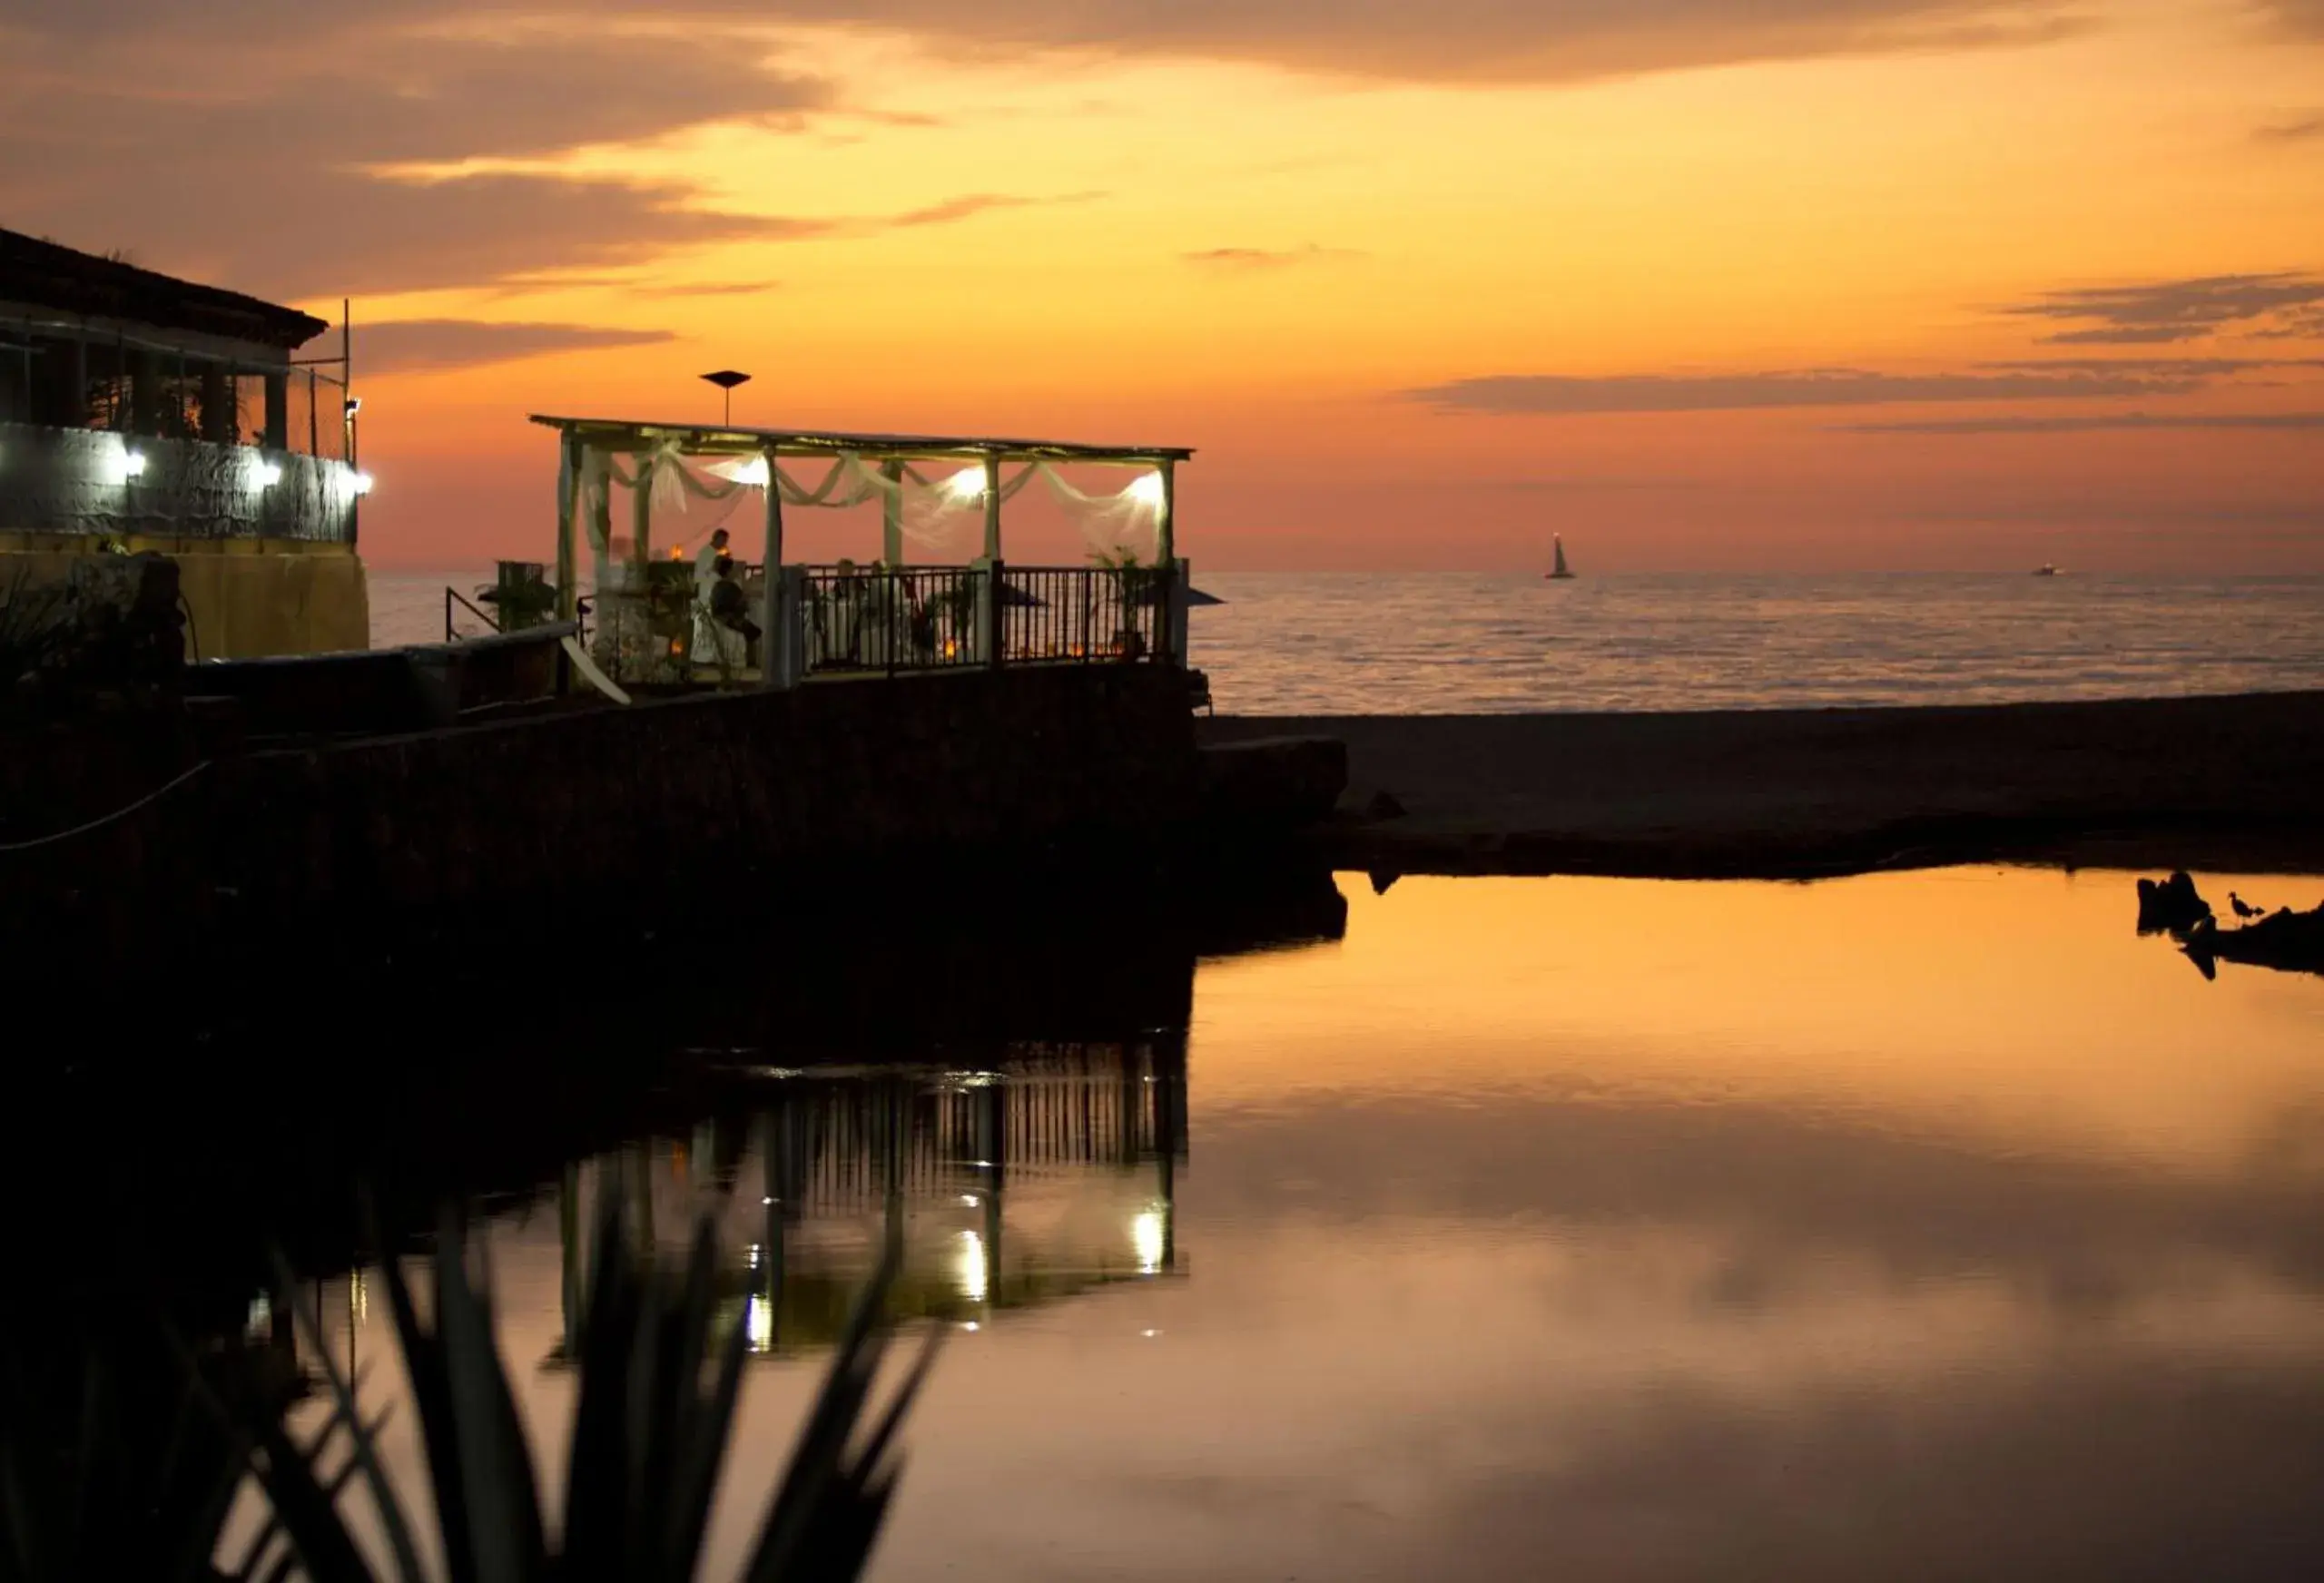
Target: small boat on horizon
{"points": [[2046, 570], [1559, 571]]}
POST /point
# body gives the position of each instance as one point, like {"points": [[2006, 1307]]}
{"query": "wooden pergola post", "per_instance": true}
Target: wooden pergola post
{"points": [[1166, 531], [601, 551], [991, 507], [1170, 581], [568, 485], [641, 513], [892, 514], [992, 606], [777, 608]]}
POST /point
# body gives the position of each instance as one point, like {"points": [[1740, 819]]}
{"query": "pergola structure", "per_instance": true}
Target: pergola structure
{"points": [[587, 442]]}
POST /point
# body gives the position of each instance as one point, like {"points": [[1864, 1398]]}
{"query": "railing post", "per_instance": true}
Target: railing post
{"points": [[782, 646], [992, 608]]}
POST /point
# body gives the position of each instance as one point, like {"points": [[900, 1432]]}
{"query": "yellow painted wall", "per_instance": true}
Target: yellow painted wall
{"points": [[248, 597]]}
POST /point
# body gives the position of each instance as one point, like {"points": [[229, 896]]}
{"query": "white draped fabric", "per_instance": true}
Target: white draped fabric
{"points": [[936, 513]]}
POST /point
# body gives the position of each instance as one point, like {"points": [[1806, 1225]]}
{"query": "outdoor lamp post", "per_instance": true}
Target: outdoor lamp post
{"points": [[726, 380]]}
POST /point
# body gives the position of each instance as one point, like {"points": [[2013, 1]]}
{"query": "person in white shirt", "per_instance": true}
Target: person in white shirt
{"points": [[705, 584]]}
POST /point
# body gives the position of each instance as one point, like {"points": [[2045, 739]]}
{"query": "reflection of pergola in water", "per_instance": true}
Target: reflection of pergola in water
{"points": [[998, 1190]]}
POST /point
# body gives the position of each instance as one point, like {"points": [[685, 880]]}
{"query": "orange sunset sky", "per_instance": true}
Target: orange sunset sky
{"points": [[1700, 283]]}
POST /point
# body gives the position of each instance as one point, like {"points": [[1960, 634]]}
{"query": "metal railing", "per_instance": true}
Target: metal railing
{"points": [[914, 619], [454, 596], [1083, 615], [935, 618]]}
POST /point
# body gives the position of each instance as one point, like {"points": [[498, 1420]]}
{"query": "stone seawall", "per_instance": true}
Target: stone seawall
{"points": [[568, 831]]}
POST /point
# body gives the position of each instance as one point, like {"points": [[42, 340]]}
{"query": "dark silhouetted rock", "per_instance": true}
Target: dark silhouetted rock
{"points": [[2171, 905], [2291, 942], [1384, 805]]}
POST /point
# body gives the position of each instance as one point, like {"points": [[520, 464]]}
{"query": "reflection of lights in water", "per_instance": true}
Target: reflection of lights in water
{"points": [[969, 1198], [971, 1325], [754, 1255], [973, 1275], [1145, 1236], [261, 1316], [758, 1321], [359, 1296]]}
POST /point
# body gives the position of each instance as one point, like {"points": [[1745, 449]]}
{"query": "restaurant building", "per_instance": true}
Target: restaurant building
{"points": [[142, 412]]}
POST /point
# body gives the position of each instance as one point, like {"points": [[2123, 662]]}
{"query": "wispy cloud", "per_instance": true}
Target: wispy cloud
{"points": [[711, 289], [2168, 368], [2299, 18], [2097, 422], [402, 346], [970, 205], [2305, 129], [1498, 41], [1245, 258], [360, 153], [2163, 312], [1571, 395]]}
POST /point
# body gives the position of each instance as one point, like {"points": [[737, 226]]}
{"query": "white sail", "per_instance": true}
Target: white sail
{"points": [[1560, 569]]}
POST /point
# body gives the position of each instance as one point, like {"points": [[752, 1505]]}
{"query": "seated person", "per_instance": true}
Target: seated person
{"points": [[729, 606]]}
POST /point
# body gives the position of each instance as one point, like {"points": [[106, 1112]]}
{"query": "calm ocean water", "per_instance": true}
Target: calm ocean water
{"points": [[1450, 642]]}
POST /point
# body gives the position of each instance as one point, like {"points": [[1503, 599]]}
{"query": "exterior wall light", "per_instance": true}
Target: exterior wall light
{"points": [[133, 464], [265, 473]]}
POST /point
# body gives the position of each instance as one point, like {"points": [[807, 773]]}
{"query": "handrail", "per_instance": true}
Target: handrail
{"points": [[892, 619], [451, 593]]}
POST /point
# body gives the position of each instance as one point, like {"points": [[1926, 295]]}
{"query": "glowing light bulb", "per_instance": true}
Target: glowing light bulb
{"points": [[264, 473], [968, 483], [1145, 1237], [360, 483], [752, 474], [974, 1276], [758, 1323], [1146, 490]]}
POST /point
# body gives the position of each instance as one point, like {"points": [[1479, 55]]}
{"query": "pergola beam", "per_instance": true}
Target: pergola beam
{"points": [[626, 435]]}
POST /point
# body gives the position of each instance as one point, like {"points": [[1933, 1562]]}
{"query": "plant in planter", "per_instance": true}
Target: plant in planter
{"points": [[1137, 587]]}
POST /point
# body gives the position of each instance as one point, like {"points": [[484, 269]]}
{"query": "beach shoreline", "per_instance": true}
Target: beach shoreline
{"points": [[2228, 783]]}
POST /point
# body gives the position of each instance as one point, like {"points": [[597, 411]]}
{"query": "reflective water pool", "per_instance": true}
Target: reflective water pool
{"points": [[1922, 1225]]}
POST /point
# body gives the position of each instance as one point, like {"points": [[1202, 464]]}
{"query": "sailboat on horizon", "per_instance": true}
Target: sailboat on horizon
{"points": [[1559, 571]]}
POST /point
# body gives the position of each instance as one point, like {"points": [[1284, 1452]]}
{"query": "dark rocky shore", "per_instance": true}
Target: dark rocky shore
{"points": [[2232, 782]]}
